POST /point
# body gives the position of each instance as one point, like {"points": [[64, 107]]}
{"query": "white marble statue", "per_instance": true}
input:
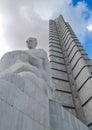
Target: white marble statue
{"points": [[25, 85], [29, 62]]}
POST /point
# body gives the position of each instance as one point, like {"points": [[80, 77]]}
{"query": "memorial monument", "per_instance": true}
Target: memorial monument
{"points": [[35, 96]]}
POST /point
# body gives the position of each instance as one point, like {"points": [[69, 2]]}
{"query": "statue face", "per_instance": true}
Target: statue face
{"points": [[31, 43]]}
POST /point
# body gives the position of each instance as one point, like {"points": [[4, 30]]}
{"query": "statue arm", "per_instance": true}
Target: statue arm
{"points": [[22, 67]]}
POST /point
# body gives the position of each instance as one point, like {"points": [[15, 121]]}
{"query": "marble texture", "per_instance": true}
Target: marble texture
{"points": [[25, 87], [60, 119]]}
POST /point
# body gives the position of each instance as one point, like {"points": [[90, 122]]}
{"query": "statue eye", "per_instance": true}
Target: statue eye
{"points": [[30, 40]]}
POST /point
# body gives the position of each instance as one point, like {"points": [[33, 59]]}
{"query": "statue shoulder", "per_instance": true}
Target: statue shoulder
{"points": [[42, 52], [37, 53], [6, 55], [13, 54]]}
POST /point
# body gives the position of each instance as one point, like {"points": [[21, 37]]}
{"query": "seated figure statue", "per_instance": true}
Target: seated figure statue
{"points": [[32, 57], [25, 87], [29, 63]]}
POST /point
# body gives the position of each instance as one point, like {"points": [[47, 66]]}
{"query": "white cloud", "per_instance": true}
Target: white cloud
{"points": [[89, 27], [3, 45], [24, 18], [1, 24]]}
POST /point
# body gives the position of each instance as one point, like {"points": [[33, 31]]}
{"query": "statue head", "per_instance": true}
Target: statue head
{"points": [[31, 43]]}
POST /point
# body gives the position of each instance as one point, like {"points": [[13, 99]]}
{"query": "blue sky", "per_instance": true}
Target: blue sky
{"points": [[88, 2], [20, 19], [87, 43]]}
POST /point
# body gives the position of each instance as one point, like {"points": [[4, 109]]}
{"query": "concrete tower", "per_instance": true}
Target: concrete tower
{"points": [[71, 70]]}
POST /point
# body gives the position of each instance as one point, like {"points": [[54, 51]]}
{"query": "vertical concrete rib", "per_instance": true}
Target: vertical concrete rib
{"points": [[65, 45], [63, 94], [76, 99]]}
